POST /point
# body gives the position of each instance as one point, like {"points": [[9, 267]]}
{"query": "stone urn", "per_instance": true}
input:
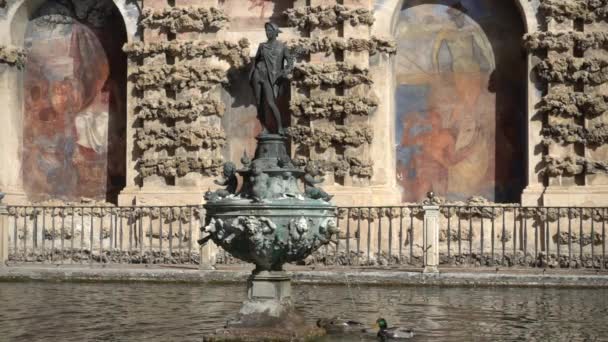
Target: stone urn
{"points": [[279, 215]]}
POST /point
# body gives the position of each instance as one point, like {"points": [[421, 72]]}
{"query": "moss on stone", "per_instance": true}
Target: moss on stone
{"points": [[311, 17], [237, 54], [184, 19]]}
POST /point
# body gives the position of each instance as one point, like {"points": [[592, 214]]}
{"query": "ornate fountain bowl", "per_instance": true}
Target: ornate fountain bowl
{"points": [[273, 232]]}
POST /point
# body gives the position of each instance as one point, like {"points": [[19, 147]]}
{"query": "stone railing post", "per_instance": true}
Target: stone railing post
{"points": [[208, 249], [207, 254], [431, 238], [3, 232]]}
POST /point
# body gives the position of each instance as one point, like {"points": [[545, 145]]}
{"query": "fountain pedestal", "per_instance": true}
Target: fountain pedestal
{"points": [[269, 222], [268, 300], [269, 286], [268, 314]]}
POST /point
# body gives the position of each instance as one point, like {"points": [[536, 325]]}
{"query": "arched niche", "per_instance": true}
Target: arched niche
{"points": [[79, 136], [458, 105]]}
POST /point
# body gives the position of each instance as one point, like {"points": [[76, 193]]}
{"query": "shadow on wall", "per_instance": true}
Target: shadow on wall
{"points": [[461, 100], [74, 141]]}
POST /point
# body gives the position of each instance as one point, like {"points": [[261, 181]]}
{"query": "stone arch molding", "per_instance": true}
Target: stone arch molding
{"points": [[387, 15], [14, 19]]}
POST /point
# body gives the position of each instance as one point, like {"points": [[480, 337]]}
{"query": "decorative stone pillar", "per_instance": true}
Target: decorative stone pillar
{"points": [[336, 75], [208, 253], [574, 54], [3, 233], [12, 62], [179, 138], [269, 286], [430, 239]]}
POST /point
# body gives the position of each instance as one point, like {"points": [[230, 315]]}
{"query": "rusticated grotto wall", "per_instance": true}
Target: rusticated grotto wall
{"points": [[573, 67], [178, 70], [189, 106], [194, 107], [335, 119]]}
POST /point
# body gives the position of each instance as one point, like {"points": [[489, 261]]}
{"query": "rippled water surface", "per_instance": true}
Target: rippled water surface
{"points": [[171, 312]]}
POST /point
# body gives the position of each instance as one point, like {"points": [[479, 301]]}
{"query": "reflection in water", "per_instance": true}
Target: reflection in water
{"points": [[152, 312]]}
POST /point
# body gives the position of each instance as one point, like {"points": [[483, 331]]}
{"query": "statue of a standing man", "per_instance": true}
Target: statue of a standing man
{"points": [[272, 64]]}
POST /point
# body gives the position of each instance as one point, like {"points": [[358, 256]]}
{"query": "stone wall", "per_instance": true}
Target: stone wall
{"points": [[188, 71], [574, 69], [189, 105], [179, 68]]}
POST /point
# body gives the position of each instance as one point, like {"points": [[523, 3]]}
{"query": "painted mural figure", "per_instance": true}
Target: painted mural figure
{"points": [[447, 128], [272, 65], [71, 93]]}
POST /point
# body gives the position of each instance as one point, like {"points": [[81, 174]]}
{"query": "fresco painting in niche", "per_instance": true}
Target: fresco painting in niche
{"points": [[74, 127], [460, 100]]}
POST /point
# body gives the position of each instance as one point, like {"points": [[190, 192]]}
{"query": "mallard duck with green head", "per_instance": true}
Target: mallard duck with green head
{"points": [[393, 333]]}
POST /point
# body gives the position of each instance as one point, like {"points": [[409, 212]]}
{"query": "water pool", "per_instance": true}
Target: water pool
{"points": [[181, 312]]}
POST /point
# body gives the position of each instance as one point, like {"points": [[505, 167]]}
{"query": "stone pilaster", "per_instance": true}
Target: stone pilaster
{"points": [[430, 239], [4, 227], [185, 158], [575, 155], [349, 166]]}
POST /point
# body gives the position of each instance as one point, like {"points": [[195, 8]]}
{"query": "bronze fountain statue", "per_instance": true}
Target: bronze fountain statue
{"points": [[271, 67], [269, 221]]}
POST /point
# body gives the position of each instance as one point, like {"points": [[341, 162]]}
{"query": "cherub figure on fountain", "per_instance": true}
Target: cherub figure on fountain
{"points": [[259, 181], [229, 181], [310, 182]]}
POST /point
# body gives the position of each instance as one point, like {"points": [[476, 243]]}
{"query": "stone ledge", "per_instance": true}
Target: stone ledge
{"points": [[450, 278]]}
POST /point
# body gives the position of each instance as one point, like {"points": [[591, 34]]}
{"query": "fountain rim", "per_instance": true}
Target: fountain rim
{"points": [[269, 206]]}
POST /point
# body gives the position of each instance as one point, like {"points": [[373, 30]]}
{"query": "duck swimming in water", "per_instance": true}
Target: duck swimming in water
{"points": [[394, 333], [337, 325]]}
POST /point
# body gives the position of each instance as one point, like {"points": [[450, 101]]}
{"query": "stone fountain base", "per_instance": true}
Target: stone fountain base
{"points": [[268, 314]]}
